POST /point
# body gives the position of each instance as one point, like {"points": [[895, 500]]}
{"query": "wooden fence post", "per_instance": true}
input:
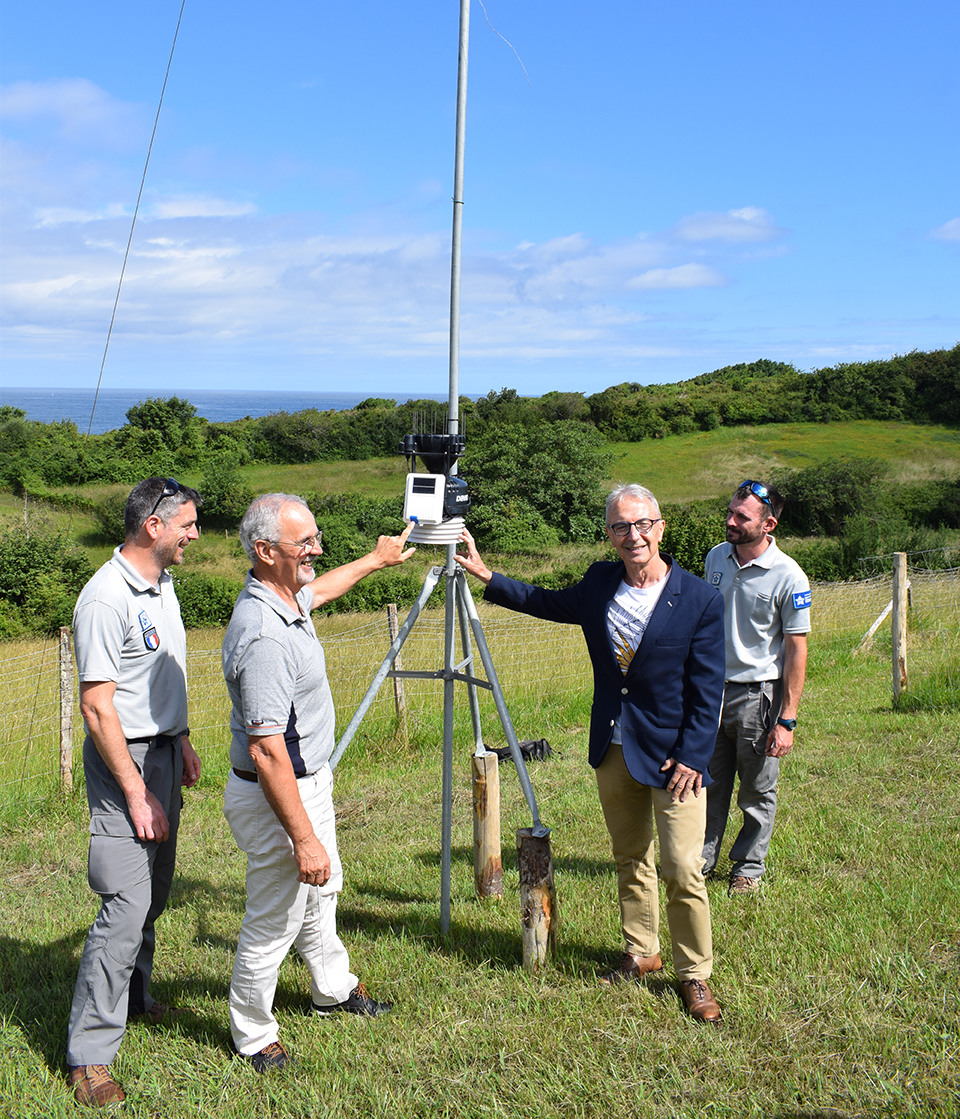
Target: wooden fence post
{"points": [[538, 902], [399, 697], [487, 860], [899, 624], [66, 711]]}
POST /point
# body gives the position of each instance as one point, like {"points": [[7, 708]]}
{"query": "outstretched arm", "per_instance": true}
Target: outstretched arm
{"points": [[389, 552]]}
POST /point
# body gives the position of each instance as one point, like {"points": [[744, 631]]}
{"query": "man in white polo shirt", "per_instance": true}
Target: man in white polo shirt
{"points": [[131, 659], [766, 599]]}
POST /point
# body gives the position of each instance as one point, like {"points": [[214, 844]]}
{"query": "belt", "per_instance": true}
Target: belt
{"points": [[157, 742], [248, 775]]}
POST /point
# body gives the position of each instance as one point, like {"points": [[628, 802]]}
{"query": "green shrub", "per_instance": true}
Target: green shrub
{"points": [[108, 514], [41, 574], [692, 530], [225, 494], [205, 600]]}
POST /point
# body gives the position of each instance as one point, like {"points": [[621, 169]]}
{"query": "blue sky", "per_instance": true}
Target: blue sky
{"points": [[657, 191]]}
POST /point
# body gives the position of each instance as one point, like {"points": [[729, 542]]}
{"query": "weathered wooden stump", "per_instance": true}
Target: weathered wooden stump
{"points": [[538, 901], [487, 862]]}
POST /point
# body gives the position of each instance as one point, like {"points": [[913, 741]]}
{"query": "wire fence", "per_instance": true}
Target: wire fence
{"points": [[532, 658]]}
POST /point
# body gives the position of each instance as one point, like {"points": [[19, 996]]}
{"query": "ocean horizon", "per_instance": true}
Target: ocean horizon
{"points": [[50, 405]]}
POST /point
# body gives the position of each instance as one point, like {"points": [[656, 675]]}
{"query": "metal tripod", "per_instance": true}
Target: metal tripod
{"points": [[460, 603]]}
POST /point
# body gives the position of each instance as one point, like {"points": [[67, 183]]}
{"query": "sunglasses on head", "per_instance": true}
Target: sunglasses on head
{"points": [[170, 487], [758, 489]]}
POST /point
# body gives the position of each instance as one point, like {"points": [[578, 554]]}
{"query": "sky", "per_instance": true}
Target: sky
{"points": [[651, 191]]}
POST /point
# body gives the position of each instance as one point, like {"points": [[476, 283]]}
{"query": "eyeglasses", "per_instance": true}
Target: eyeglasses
{"points": [[171, 487], [622, 528], [758, 489], [302, 546]]}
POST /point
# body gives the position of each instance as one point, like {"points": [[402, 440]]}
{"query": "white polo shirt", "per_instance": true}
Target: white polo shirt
{"points": [[763, 600]]}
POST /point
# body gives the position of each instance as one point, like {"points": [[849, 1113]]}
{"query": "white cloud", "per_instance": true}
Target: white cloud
{"points": [[81, 112], [683, 276], [185, 206], [210, 272], [747, 225], [949, 231]]}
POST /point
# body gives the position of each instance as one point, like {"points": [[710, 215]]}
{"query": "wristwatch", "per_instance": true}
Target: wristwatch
{"points": [[787, 724]]}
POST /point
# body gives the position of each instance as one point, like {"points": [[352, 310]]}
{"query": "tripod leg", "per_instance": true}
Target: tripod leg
{"points": [[462, 590], [447, 809], [505, 721], [429, 583]]}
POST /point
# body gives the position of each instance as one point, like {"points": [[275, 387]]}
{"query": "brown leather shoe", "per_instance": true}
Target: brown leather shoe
{"points": [[700, 1003], [93, 1086], [632, 967], [740, 884]]}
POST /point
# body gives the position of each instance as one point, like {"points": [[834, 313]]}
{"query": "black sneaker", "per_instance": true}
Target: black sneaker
{"points": [[270, 1056], [357, 1002]]}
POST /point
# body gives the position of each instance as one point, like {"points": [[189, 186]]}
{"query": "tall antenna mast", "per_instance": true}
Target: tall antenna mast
{"points": [[453, 407]]}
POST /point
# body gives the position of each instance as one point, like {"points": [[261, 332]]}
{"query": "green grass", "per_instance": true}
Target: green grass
{"points": [[839, 982], [706, 464]]}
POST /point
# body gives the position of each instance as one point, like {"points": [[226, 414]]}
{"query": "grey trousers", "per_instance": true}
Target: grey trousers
{"points": [[749, 711], [133, 878]]}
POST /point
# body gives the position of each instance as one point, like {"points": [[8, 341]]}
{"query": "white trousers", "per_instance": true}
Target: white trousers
{"points": [[282, 911]]}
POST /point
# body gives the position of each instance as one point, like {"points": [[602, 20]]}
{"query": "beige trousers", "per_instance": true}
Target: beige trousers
{"points": [[630, 810]]}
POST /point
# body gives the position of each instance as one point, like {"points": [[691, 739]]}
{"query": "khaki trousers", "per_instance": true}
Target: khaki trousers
{"points": [[630, 810]]}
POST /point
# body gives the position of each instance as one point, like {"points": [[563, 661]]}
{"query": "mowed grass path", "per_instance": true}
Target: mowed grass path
{"points": [[839, 982]]}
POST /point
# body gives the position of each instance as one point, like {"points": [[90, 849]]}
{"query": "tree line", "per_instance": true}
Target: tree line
{"points": [[536, 468], [164, 436]]}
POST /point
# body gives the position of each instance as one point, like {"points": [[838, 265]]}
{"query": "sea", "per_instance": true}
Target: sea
{"points": [[49, 405]]}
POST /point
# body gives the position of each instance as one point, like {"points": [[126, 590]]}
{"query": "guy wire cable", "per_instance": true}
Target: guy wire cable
{"points": [[126, 255]]}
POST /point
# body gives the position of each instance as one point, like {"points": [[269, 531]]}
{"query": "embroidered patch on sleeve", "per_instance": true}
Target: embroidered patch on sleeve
{"points": [[801, 599], [716, 577]]}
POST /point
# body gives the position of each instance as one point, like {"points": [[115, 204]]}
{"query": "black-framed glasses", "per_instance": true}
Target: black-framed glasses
{"points": [[622, 528], [758, 489], [302, 546], [170, 487]]}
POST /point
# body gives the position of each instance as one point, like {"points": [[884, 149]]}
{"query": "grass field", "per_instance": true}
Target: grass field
{"points": [[839, 982], [708, 463]]}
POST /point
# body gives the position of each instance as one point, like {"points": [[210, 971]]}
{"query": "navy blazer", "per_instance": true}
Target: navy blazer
{"points": [[669, 700]]}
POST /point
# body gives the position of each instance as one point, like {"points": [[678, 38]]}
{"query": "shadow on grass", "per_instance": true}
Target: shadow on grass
{"points": [[583, 868], [37, 980]]}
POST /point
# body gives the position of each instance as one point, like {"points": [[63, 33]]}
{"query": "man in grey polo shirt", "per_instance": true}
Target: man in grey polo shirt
{"points": [[278, 800], [766, 599], [131, 656]]}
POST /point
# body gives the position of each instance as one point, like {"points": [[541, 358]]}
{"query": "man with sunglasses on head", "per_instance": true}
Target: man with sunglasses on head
{"points": [[278, 800], [655, 637], [766, 599], [131, 658]]}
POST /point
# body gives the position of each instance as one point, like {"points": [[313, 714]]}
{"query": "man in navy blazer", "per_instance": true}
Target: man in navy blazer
{"points": [[656, 640]]}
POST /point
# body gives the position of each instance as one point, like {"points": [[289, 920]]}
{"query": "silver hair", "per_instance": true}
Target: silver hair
{"points": [[631, 489], [262, 520]]}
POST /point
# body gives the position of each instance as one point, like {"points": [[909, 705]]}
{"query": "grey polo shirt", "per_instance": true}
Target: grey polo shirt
{"points": [[762, 601], [276, 675], [128, 631]]}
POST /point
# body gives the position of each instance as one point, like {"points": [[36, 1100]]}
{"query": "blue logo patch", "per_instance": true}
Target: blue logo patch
{"points": [[801, 599], [716, 577], [144, 619]]}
